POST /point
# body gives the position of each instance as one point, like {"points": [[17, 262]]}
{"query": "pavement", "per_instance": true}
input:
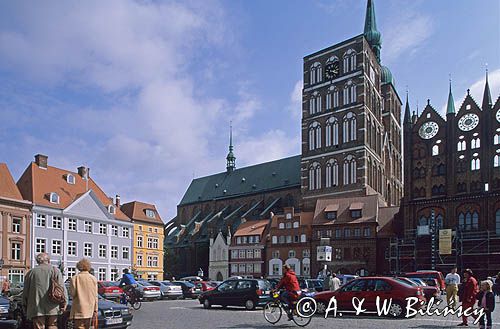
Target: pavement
{"points": [[183, 314]]}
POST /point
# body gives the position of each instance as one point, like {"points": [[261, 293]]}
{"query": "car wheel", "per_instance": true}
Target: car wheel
{"points": [[250, 305], [396, 310], [321, 308], [206, 304]]}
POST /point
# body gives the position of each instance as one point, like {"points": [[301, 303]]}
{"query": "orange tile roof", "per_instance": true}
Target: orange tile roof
{"points": [[368, 204], [252, 227], [136, 210], [8, 188], [37, 183]]}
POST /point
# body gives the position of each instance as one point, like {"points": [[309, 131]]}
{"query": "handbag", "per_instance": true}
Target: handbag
{"points": [[56, 291]]}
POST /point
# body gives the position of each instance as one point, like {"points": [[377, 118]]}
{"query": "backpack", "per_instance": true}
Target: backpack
{"points": [[56, 291]]}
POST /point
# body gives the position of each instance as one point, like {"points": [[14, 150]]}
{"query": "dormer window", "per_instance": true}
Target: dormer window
{"points": [[70, 179], [331, 211], [150, 213], [54, 198], [111, 209], [356, 214], [331, 215], [288, 216], [356, 210]]}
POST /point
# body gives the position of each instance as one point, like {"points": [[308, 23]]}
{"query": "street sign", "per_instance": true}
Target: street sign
{"points": [[324, 253], [445, 241]]}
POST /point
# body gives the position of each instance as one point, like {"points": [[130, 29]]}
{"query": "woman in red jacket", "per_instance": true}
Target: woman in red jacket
{"points": [[469, 293]]}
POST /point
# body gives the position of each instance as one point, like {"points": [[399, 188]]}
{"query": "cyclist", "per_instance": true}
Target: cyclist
{"points": [[128, 282], [290, 283]]}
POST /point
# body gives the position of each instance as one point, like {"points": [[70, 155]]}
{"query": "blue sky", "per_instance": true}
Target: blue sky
{"points": [[143, 92]]}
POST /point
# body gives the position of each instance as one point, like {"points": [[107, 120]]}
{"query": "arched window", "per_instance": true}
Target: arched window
{"points": [[350, 95], [475, 164], [496, 161], [332, 173], [314, 136], [461, 146], [475, 143], [349, 170], [435, 150], [468, 221], [315, 103], [496, 138], [349, 63], [332, 132], [54, 197], [328, 102], [423, 221], [316, 73], [315, 176], [335, 97], [349, 127]]}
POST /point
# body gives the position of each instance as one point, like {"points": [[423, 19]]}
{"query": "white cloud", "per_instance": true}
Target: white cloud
{"points": [[295, 105], [406, 34]]}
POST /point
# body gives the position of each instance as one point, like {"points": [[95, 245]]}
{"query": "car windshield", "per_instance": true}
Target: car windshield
{"points": [[167, 283], [212, 284], [407, 282], [108, 284], [146, 284], [188, 284]]}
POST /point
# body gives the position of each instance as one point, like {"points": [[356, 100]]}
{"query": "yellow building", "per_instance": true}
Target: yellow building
{"points": [[147, 261]]}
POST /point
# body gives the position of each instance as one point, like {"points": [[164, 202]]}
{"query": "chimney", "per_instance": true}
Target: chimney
{"points": [[41, 160], [84, 172], [117, 201]]}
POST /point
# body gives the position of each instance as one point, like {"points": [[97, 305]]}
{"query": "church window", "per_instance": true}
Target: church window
{"points": [[349, 63], [496, 138], [496, 160], [328, 103], [435, 150], [332, 173], [316, 73], [314, 136], [475, 143], [350, 95], [349, 170], [475, 164], [315, 176], [349, 127], [468, 221], [335, 97], [332, 132], [461, 146]]}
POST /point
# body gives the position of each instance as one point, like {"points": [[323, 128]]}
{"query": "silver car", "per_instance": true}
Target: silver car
{"points": [[148, 291], [168, 289]]}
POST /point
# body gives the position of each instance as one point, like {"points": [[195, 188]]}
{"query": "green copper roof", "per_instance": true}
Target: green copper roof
{"points": [[386, 75], [231, 159], [451, 103], [279, 174], [371, 33], [487, 95]]}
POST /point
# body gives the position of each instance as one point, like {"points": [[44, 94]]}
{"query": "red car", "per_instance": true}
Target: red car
{"points": [[425, 275], [109, 289], [369, 288], [429, 290], [206, 285]]}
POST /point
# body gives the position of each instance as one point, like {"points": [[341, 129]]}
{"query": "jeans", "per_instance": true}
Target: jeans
{"points": [[487, 315]]}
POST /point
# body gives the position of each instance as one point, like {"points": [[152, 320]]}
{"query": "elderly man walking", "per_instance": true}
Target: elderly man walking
{"points": [[83, 289], [40, 309]]}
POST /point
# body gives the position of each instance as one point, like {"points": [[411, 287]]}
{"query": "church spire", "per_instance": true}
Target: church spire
{"points": [[231, 159], [487, 103], [407, 110], [450, 109], [371, 33]]}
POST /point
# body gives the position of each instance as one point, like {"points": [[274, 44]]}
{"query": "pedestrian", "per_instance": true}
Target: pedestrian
{"points": [[40, 309], [486, 300], [496, 285], [335, 282], [452, 281], [469, 293], [327, 282], [83, 290], [5, 287]]}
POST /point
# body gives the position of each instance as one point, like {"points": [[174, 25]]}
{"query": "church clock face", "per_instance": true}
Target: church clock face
{"points": [[468, 122], [498, 115], [332, 70], [428, 130]]}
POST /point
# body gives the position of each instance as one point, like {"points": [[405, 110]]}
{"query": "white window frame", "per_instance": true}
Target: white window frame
{"points": [[88, 246], [39, 244], [56, 243], [114, 252], [75, 246], [125, 252], [103, 248], [71, 222], [16, 227], [86, 225]]}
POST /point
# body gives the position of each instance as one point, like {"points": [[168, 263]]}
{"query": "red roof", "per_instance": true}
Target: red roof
{"points": [[252, 227], [8, 188], [136, 210]]}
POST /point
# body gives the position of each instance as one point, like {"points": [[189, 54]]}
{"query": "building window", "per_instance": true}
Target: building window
{"points": [[303, 238], [125, 232], [349, 127], [40, 245], [347, 233], [241, 254], [56, 247], [275, 254], [150, 213], [332, 132], [103, 228], [291, 254], [71, 272], [15, 253], [71, 224], [281, 226], [366, 232], [16, 276], [274, 239], [114, 230], [295, 224], [350, 95], [152, 243], [71, 248], [350, 170], [475, 143], [114, 252], [139, 260], [282, 239], [331, 215], [102, 274], [332, 173], [496, 138], [70, 179], [87, 249], [139, 241], [496, 160], [234, 254], [250, 254], [103, 250], [475, 164], [316, 73], [16, 225], [356, 213], [461, 146], [125, 253], [357, 232], [152, 261], [435, 150], [111, 209], [468, 221], [41, 220], [276, 269], [349, 63], [88, 226], [315, 176], [338, 233], [54, 198], [314, 136], [114, 274]]}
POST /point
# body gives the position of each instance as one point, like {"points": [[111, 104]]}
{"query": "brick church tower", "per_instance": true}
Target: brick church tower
{"points": [[351, 121]]}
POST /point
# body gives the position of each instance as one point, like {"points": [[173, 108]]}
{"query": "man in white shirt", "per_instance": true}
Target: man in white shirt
{"points": [[452, 281], [335, 282]]}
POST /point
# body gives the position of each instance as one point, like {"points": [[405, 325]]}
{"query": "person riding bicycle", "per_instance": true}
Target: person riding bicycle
{"points": [[128, 282], [292, 291]]}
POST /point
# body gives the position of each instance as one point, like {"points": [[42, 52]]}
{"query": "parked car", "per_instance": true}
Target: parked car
{"points": [[344, 278], [428, 291], [206, 285], [191, 279], [310, 285], [272, 281], [109, 290], [168, 289], [110, 315], [4, 308], [147, 291], [429, 274], [369, 288], [316, 283], [189, 290], [250, 293]]}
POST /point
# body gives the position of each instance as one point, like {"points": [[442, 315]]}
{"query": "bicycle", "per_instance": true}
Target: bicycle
{"points": [[302, 312], [131, 297]]}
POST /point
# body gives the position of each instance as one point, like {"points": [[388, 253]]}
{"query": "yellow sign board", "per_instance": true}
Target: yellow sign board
{"points": [[445, 241]]}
